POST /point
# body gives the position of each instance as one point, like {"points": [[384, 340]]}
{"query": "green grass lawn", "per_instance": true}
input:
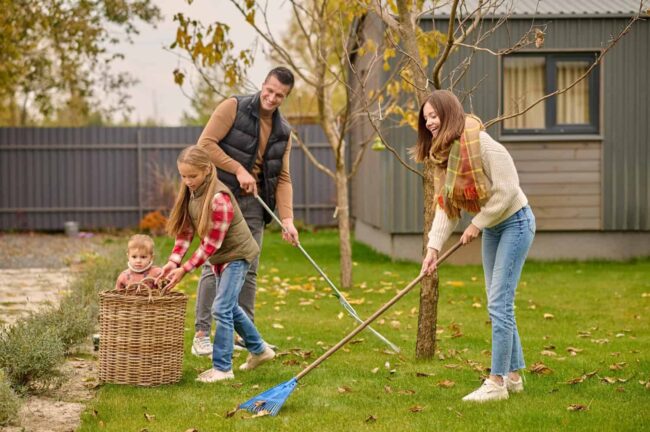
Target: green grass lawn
{"points": [[600, 309]]}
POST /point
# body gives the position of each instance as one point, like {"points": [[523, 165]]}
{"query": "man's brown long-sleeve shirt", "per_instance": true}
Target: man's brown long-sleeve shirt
{"points": [[219, 125]]}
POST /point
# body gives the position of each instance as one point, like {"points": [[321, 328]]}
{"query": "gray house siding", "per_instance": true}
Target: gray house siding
{"points": [[592, 182]]}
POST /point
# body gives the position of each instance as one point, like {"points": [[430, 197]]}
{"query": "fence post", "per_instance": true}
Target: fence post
{"points": [[138, 142]]}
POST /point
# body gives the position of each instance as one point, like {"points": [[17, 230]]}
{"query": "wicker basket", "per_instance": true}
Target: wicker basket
{"points": [[141, 336]]}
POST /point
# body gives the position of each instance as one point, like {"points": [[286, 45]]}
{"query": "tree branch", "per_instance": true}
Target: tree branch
{"points": [[310, 155]]}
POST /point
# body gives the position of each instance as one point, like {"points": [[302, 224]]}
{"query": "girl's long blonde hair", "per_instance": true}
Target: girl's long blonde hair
{"points": [[179, 219], [452, 122]]}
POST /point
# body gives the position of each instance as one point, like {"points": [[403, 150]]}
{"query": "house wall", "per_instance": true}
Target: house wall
{"points": [[589, 182]]}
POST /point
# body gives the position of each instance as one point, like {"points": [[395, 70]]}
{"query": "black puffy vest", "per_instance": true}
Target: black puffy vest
{"points": [[241, 144]]}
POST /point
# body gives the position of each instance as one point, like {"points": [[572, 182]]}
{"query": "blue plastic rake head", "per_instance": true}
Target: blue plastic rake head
{"points": [[272, 399]]}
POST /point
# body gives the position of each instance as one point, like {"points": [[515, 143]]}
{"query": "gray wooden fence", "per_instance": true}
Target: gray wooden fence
{"points": [[109, 177]]}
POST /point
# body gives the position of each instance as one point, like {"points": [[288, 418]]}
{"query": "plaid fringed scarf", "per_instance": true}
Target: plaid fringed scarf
{"points": [[460, 182]]}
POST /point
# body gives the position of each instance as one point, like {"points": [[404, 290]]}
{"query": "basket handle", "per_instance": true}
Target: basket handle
{"points": [[137, 286]]}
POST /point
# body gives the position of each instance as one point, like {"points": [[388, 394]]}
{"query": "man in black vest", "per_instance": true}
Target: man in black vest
{"points": [[249, 142]]}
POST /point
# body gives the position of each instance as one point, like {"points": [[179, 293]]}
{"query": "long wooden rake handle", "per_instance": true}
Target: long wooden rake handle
{"points": [[374, 316]]}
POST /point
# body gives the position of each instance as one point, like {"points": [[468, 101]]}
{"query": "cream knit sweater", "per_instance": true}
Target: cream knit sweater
{"points": [[506, 197]]}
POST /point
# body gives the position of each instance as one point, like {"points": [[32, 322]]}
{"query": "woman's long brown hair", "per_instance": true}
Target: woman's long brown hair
{"points": [[452, 122], [179, 218]]}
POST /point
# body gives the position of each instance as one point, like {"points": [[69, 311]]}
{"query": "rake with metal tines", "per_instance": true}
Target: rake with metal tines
{"points": [[272, 400], [346, 305]]}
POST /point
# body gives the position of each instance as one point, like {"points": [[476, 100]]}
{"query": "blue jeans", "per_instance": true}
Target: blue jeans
{"points": [[505, 247], [229, 316]]}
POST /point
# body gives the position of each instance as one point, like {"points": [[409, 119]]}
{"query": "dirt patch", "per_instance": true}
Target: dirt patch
{"points": [[34, 250], [60, 410]]}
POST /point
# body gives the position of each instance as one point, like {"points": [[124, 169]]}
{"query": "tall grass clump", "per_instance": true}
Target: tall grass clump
{"points": [[30, 356]]}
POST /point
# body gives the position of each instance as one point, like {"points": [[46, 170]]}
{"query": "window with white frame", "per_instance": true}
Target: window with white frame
{"points": [[529, 76]]}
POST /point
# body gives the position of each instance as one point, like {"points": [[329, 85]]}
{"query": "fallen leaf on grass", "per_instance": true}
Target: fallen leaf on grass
{"points": [[232, 412], [277, 326], [406, 392], [548, 353], [262, 413], [456, 284], [446, 384], [423, 374], [387, 389], [149, 417], [600, 341], [617, 366], [371, 419], [548, 316], [416, 408], [375, 370], [577, 380], [540, 369], [577, 407], [573, 351], [192, 430], [344, 389], [477, 305]]}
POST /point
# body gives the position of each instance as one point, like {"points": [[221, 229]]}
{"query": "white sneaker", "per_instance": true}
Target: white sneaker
{"points": [[514, 386], [489, 391], [255, 360], [214, 375], [201, 346]]}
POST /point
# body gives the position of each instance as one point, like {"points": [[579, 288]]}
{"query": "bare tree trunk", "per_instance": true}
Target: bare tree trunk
{"points": [[343, 214], [428, 316]]}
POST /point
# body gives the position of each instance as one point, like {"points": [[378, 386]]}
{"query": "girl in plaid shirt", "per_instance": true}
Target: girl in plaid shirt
{"points": [[206, 206]]}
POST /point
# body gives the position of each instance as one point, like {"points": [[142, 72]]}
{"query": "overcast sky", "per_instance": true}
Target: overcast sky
{"points": [[156, 95]]}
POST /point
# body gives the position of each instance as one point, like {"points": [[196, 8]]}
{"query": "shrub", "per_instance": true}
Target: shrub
{"points": [[30, 355], [9, 402], [154, 222], [72, 321]]}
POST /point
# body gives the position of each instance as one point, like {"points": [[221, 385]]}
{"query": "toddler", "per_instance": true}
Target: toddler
{"points": [[140, 255]]}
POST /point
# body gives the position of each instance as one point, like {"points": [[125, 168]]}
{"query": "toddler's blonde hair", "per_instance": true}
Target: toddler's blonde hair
{"points": [[141, 242]]}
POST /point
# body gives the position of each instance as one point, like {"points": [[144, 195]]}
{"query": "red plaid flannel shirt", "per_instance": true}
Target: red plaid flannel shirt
{"points": [[222, 215]]}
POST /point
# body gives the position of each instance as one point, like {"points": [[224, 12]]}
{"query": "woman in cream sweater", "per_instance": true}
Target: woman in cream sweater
{"points": [[476, 174]]}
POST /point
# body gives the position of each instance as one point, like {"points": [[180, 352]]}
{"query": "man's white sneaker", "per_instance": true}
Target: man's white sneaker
{"points": [[489, 391], [514, 386], [201, 346], [254, 360], [214, 375]]}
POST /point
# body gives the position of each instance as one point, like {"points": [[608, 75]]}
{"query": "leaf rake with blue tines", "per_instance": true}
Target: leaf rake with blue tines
{"points": [[272, 400], [346, 305]]}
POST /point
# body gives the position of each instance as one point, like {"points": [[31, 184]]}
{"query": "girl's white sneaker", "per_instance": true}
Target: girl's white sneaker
{"points": [[214, 375], [489, 391], [514, 386]]}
